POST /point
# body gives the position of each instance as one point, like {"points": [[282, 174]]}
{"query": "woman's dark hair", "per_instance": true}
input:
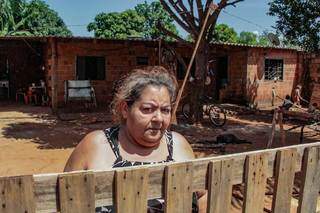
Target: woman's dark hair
{"points": [[131, 87]]}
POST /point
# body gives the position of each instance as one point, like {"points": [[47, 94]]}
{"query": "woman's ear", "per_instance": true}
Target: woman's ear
{"points": [[124, 109]]}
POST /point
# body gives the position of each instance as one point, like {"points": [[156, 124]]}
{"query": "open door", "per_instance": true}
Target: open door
{"points": [[221, 75]]}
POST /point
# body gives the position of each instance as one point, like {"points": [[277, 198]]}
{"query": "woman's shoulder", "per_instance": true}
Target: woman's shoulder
{"points": [[93, 152], [182, 150]]}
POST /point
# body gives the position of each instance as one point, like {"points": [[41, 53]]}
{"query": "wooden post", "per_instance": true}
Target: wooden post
{"points": [[174, 118], [282, 133], [273, 129], [54, 75]]}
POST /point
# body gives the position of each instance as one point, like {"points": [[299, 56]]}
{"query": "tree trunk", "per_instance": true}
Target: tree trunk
{"points": [[198, 90]]}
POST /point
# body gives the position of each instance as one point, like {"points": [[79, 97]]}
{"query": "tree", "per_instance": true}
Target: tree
{"points": [[11, 17], [141, 21], [224, 33], [249, 38], [153, 14], [117, 25], [19, 17], [298, 21], [190, 15], [43, 21]]}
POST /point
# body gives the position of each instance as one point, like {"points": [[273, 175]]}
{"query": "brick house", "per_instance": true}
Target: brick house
{"points": [[239, 73]]}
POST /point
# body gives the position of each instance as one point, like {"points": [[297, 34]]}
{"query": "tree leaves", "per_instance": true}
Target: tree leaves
{"points": [[298, 21], [138, 22], [19, 17]]}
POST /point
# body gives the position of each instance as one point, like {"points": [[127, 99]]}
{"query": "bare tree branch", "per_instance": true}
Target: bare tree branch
{"points": [[191, 7], [171, 34], [184, 14], [190, 17], [221, 5], [200, 11], [233, 3], [175, 17]]}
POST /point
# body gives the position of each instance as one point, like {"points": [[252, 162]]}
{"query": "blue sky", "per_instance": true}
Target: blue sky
{"points": [[77, 14]]}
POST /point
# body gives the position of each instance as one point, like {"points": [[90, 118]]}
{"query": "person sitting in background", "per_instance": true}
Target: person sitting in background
{"points": [[287, 103], [142, 113]]}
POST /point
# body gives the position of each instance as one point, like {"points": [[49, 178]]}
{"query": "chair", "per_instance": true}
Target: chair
{"points": [[79, 90]]}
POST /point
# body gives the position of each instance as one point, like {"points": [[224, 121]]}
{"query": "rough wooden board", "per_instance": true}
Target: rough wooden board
{"points": [[131, 190], [284, 178], [282, 133], [76, 192], [310, 181], [178, 188], [255, 183], [273, 129], [17, 194], [45, 184], [220, 186]]}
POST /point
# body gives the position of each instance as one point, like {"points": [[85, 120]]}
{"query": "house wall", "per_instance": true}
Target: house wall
{"points": [[237, 71], [24, 61], [245, 67], [120, 58], [259, 90], [314, 68]]}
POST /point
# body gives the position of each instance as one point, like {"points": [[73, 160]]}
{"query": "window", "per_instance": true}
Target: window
{"points": [[273, 69], [142, 61], [181, 72], [90, 68]]}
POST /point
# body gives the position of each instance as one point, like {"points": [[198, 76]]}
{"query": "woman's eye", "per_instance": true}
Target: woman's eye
{"points": [[166, 110], [147, 109]]}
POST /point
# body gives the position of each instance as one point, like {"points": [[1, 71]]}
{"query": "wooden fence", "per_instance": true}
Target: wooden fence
{"points": [[128, 189]]}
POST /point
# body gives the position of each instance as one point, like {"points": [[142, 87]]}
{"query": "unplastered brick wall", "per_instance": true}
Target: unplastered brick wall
{"points": [[120, 58], [237, 68], [259, 90], [314, 68]]}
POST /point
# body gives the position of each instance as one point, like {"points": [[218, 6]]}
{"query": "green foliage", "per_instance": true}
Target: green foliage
{"points": [[140, 21], [19, 17], [43, 21], [117, 25], [263, 39], [224, 33], [249, 38], [298, 21], [154, 13]]}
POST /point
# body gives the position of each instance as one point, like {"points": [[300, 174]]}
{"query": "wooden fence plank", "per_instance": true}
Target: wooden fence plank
{"points": [[131, 190], [255, 183], [178, 188], [220, 186], [76, 192], [17, 194], [284, 178], [45, 184], [310, 181]]}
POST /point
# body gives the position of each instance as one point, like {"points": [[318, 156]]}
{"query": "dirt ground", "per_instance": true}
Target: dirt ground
{"points": [[33, 140]]}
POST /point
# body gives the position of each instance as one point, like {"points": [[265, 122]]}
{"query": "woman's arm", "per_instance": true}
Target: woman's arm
{"points": [[93, 152]]}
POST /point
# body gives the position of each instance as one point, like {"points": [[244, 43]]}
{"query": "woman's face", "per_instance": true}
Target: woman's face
{"points": [[149, 116]]}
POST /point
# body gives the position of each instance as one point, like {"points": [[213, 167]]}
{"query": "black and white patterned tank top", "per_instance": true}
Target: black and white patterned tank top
{"points": [[155, 205]]}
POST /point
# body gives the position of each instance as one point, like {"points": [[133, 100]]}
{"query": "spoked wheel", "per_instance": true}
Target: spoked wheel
{"points": [[186, 110], [217, 116]]}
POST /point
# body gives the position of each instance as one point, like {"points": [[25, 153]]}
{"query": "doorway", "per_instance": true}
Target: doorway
{"points": [[221, 79]]}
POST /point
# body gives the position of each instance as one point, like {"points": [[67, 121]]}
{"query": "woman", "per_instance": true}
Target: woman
{"points": [[142, 109]]}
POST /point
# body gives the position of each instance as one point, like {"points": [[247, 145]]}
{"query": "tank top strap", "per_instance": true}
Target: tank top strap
{"points": [[112, 137], [169, 140]]}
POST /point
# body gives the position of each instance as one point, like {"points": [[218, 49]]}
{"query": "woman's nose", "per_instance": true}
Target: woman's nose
{"points": [[157, 116]]}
